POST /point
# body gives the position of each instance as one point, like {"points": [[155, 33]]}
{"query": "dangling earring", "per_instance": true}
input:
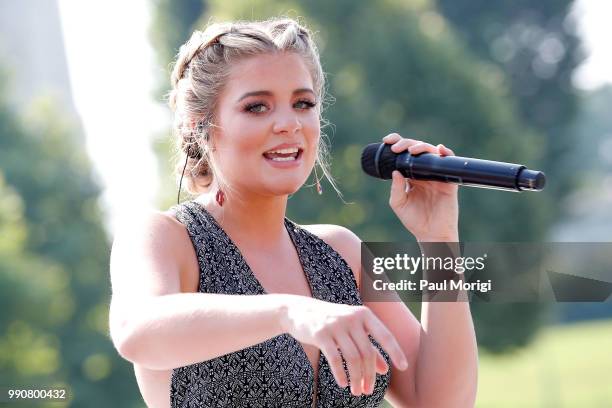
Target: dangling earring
{"points": [[220, 197], [319, 188]]}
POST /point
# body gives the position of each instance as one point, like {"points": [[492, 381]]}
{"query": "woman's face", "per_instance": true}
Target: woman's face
{"points": [[268, 104]]}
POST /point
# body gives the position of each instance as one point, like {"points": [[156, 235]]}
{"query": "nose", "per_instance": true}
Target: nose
{"points": [[286, 122]]}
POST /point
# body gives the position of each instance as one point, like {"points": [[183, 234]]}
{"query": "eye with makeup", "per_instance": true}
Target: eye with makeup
{"points": [[257, 108]]}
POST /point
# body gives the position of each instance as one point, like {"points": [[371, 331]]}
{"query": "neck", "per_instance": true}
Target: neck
{"points": [[250, 219]]}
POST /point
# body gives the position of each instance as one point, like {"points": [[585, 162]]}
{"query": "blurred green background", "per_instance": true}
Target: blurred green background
{"points": [[489, 79]]}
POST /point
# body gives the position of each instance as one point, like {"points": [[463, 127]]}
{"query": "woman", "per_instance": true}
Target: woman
{"points": [[222, 301]]}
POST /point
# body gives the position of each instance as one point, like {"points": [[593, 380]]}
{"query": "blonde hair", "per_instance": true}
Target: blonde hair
{"points": [[200, 72]]}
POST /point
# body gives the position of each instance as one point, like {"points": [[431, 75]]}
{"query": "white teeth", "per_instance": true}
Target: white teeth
{"points": [[283, 158], [285, 151]]}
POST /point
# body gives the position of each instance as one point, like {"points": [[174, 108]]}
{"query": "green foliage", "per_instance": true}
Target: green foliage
{"points": [[171, 26], [536, 46], [54, 253], [167, 193], [594, 127]]}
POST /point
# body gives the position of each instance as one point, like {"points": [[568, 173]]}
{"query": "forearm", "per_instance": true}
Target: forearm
{"points": [[447, 368], [175, 330]]}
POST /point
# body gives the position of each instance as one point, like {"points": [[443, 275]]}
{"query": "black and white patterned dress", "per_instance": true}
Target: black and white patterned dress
{"points": [[276, 372]]}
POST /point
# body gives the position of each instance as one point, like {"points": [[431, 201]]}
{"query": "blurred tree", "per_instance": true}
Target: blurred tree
{"points": [[54, 285], [588, 208], [396, 66], [537, 47], [593, 127], [171, 26]]}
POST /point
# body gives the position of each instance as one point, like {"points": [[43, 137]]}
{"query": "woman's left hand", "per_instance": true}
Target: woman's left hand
{"points": [[429, 209]]}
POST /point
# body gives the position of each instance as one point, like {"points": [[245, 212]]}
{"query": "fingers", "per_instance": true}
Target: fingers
{"points": [[330, 350], [387, 341], [400, 144], [394, 139], [353, 360], [445, 150], [422, 147], [381, 364], [348, 340], [391, 138], [398, 189], [368, 356], [363, 362], [404, 144]]}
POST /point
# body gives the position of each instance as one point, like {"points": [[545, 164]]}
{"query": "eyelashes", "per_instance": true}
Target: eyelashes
{"points": [[255, 107], [251, 108]]}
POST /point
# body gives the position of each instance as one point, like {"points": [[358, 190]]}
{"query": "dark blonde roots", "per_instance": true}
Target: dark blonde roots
{"points": [[200, 72]]}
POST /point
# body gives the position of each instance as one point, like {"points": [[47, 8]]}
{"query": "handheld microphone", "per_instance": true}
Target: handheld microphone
{"points": [[379, 161]]}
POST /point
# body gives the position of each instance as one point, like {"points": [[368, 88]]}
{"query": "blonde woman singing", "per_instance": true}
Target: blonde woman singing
{"points": [[222, 301]]}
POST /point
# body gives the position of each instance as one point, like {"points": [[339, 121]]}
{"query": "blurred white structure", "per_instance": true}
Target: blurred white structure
{"points": [[593, 17], [32, 49], [101, 75], [111, 69]]}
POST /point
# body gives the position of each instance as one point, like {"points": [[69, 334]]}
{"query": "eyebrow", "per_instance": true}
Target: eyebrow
{"points": [[268, 93]]}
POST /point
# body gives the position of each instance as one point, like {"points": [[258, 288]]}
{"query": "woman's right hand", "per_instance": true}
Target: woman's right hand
{"points": [[335, 328]]}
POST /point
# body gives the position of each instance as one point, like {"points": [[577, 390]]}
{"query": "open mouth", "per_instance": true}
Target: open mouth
{"points": [[284, 155]]}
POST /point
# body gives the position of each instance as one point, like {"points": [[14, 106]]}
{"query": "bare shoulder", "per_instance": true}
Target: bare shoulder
{"points": [[151, 247], [160, 227], [344, 241]]}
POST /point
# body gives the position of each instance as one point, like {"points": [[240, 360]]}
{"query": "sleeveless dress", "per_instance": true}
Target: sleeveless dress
{"points": [[276, 372]]}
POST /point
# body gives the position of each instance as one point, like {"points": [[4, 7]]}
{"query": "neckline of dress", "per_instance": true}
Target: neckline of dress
{"points": [[289, 226]]}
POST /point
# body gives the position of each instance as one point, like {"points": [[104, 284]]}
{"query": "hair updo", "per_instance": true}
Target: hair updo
{"points": [[201, 71]]}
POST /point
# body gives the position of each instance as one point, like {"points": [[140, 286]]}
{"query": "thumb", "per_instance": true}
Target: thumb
{"points": [[398, 189]]}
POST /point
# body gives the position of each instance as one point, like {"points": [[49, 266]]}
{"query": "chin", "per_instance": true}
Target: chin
{"points": [[285, 188]]}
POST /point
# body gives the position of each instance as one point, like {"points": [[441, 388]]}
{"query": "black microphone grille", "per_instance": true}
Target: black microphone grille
{"points": [[368, 159], [377, 160]]}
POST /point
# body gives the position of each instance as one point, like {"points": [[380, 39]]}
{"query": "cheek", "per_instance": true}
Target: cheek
{"points": [[239, 146], [313, 136]]}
